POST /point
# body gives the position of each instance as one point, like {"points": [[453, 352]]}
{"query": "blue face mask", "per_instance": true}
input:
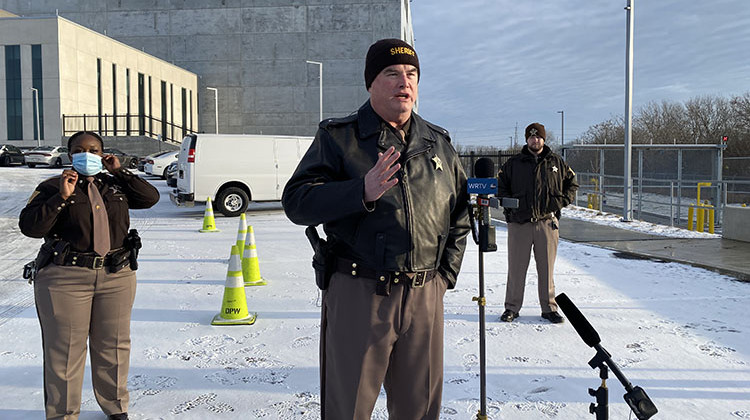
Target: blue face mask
{"points": [[87, 164]]}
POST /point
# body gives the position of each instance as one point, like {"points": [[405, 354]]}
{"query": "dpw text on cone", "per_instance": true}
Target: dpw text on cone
{"points": [[209, 224], [234, 304], [250, 266]]}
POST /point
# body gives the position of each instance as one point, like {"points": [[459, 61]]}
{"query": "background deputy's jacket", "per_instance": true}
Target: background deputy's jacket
{"points": [[48, 215], [542, 184], [419, 224]]}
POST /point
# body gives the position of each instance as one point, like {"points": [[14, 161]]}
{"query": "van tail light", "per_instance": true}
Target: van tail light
{"points": [[191, 156]]}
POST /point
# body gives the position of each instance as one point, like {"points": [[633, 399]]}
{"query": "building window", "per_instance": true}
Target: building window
{"points": [[141, 105], [99, 93], [171, 111], [36, 82], [184, 111], [127, 102], [13, 102], [163, 109], [114, 98], [150, 108]]}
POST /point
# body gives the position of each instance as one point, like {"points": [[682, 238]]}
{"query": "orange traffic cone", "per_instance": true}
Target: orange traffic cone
{"points": [[234, 304], [241, 233], [209, 224], [250, 267]]}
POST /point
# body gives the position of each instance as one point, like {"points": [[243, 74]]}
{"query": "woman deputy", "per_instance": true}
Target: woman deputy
{"points": [[85, 280]]}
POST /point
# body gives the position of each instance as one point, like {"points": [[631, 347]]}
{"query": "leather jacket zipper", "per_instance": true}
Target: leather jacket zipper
{"points": [[407, 203]]}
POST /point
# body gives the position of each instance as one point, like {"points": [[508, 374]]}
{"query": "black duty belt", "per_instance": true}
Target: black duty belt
{"points": [[384, 279], [93, 261]]}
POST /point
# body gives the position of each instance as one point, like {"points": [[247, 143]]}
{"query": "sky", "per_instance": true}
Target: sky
{"points": [[487, 65], [679, 332]]}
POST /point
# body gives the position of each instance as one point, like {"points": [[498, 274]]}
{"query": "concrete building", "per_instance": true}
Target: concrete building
{"points": [[253, 52], [75, 71]]}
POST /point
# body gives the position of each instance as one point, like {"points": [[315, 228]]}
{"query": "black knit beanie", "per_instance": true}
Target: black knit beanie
{"points": [[536, 129], [388, 52]]}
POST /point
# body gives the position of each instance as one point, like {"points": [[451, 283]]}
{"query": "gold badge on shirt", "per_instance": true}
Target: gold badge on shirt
{"points": [[438, 163]]}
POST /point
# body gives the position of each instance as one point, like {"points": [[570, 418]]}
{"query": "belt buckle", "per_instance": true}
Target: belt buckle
{"points": [[418, 279], [98, 263]]}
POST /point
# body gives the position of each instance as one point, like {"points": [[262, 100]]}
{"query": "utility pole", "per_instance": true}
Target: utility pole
{"points": [[627, 204], [320, 85], [216, 106], [38, 130]]}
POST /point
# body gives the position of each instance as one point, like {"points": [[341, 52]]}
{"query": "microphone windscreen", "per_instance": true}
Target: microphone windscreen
{"points": [[579, 322], [484, 168]]}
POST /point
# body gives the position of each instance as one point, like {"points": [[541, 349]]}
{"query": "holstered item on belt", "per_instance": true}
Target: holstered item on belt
{"points": [[60, 250], [323, 258], [133, 242], [43, 258]]}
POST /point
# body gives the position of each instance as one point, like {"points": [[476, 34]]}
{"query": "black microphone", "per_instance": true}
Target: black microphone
{"points": [[635, 397], [484, 168], [579, 322]]}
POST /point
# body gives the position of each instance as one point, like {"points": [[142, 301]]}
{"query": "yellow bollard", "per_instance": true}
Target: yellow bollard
{"points": [[690, 218], [700, 222], [711, 220]]}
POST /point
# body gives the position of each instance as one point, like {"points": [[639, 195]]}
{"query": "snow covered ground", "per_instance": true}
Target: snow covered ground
{"points": [[679, 332]]}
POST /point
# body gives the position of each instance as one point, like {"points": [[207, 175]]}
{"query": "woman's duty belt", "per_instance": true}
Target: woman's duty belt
{"points": [[91, 260]]}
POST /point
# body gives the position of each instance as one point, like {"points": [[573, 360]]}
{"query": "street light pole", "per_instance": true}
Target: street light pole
{"points": [[36, 104], [562, 132], [216, 106], [320, 77], [627, 205]]}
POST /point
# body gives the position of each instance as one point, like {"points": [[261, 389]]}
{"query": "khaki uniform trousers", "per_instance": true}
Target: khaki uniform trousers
{"points": [[368, 340], [75, 304], [543, 237]]}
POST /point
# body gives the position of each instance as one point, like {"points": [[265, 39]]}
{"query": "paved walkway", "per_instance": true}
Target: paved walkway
{"points": [[725, 256]]}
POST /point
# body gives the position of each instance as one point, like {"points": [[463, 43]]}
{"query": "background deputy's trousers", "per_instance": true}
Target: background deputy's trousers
{"points": [[369, 340], [543, 237], [76, 304]]}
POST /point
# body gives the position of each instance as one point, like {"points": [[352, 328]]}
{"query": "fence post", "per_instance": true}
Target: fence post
{"points": [[671, 204], [471, 163]]}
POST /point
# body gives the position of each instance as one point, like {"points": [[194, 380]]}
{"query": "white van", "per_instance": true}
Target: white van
{"points": [[233, 169]]}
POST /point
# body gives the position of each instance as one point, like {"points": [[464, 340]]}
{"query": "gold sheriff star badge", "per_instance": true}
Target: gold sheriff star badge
{"points": [[438, 163]]}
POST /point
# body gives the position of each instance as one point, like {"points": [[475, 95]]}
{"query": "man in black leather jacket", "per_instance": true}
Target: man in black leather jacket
{"points": [[390, 191], [543, 184]]}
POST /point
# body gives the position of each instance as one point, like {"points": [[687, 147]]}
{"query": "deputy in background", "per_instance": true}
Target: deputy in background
{"points": [[84, 278], [543, 184], [390, 191]]}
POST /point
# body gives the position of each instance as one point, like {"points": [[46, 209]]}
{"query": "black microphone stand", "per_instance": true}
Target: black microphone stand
{"points": [[486, 241], [601, 407]]}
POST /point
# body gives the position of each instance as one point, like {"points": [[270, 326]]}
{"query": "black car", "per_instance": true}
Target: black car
{"points": [[126, 160], [10, 154]]}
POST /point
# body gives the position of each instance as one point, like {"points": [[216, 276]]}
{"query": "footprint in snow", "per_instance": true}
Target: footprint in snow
{"points": [[206, 400], [302, 342], [150, 385]]}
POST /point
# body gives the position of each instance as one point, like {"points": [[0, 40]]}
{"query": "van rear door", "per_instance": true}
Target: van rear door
{"points": [[186, 165]]}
